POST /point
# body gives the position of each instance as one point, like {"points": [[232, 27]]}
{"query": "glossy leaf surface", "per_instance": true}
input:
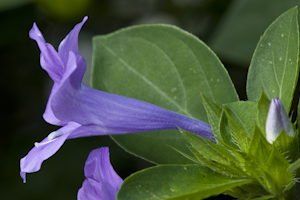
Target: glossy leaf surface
{"points": [[176, 182], [165, 66], [274, 66]]}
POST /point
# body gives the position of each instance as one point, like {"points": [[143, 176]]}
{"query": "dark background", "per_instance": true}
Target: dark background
{"points": [[230, 27]]}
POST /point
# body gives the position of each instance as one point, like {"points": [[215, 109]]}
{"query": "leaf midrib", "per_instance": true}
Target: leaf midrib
{"points": [[148, 81]]}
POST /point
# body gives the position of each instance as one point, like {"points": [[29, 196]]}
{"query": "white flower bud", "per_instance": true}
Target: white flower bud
{"points": [[277, 120]]}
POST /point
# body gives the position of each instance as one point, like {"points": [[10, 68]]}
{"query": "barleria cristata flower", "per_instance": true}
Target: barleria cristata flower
{"points": [[83, 111], [246, 149]]}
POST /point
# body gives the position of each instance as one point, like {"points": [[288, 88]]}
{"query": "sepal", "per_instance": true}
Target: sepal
{"points": [[263, 105], [214, 114], [288, 145]]}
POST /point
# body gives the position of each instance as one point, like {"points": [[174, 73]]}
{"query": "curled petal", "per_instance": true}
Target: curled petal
{"points": [[102, 182], [46, 148], [48, 114], [70, 43], [50, 60]]}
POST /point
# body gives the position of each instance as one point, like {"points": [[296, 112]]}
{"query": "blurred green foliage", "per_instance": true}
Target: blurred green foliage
{"points": [[242, 25], [65, 9], [25, 86], [10, 4]]}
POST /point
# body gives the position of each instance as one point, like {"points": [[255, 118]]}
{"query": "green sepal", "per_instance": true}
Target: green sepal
{"points": [[200, 145], [270, 164], [264, 197], [214, 113], [288, 145], [222, 151], [228, 170], [225, 131], [217, 157], [238, 134], [294, 166], [244, 114], [259, 148], [235, 192], [263, 106], [176, 182]]}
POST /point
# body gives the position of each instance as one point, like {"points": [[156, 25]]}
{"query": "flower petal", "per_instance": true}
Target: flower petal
{"points": [[33, 160], [48, 114], [50, 60], [284, 118], [90, 190], [119, 114], [102, 181], [273, 124], [70, 42], [277, 120]]}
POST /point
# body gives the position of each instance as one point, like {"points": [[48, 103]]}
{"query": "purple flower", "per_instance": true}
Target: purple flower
{"points": [[277, 120], [102, 182], [83, 111]]}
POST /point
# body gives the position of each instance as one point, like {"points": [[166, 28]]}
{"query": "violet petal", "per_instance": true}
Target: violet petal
{"points": [[102, 182], [33, 160]]}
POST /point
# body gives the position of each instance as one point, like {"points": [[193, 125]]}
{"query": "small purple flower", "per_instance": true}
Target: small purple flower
{"points": [[102, 182], [83, 111], [277, 120]]}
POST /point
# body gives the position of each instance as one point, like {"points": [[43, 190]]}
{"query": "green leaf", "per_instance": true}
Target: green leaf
{"points": [[155, 146], [263, 106], [187, 156], [214, 113], [239, 29], [274, 66], [243, 114], [176, 182], [165, 66]]}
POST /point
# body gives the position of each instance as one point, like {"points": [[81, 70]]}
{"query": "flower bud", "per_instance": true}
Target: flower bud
{"points": [[277, 120]]}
